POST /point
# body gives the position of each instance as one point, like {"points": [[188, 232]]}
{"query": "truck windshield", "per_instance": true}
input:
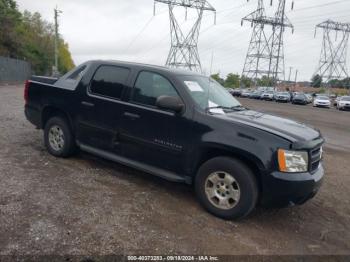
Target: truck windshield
{"points": [[209, 94]]}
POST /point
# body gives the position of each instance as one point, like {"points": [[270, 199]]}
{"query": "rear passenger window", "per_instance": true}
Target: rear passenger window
{"points": [[109, 81], [149, 86]]}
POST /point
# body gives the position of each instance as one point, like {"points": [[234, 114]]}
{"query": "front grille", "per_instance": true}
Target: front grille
{"points": [[315, 159]]}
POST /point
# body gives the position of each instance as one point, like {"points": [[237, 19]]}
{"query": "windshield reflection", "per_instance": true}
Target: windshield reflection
{"points": [[210, 95]]}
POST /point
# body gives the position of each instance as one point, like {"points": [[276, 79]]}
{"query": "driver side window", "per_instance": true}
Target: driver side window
{"points": [[149, 86]]}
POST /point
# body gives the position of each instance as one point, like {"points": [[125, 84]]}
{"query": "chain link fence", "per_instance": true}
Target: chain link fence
{"points": [[14, 70]]}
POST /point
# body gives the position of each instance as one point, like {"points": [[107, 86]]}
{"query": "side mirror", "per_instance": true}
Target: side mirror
{"points": [[170, 103]]}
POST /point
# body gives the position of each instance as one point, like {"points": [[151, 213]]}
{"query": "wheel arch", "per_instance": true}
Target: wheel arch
{"points": [[251, 161], [52, 111]]}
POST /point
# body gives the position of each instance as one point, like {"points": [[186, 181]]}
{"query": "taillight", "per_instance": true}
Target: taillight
{"points": [[26, 91]]}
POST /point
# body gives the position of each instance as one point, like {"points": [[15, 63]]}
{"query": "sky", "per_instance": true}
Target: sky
{"points": [[127, 30]]}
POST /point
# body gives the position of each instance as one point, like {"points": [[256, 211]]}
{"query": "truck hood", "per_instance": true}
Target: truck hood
{"points": [[288, 129]]}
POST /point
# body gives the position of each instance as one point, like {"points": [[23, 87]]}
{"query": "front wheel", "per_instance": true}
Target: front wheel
{"points": [[58, 137], [227, 188]]}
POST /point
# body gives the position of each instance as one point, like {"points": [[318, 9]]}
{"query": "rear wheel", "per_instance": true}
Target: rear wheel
{"points": [[58, 137], [227, 188]]}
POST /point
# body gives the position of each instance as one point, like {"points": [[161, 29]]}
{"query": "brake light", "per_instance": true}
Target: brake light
{"points": [[26, 91]]}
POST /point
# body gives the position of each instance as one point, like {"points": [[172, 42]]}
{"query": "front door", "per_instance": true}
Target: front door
{"points": [[150, 135]]}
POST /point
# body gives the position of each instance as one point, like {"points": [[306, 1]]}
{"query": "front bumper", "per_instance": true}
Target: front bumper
{"points": [[344, 107], [267, 98], [283, 99], [322, 105], [285, 189], [300, 102]]}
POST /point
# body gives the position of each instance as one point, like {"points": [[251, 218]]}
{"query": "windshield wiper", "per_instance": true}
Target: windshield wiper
{"points": [[233, 108], [238, 108]]}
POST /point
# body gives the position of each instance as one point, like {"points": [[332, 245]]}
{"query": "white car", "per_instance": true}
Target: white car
{"points": [[322, 101], [344, 103], [269, 95]]}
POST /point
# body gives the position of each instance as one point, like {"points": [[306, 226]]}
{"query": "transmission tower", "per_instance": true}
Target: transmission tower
{"points": [[277, 66], [184, 47], [332, 63], [265, 55], [258, 56]]}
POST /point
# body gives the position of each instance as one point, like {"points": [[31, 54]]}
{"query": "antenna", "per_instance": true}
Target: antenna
{"points": [[211, 63]]}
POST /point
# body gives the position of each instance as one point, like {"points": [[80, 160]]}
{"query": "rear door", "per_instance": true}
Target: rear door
{"points": [[148, 134], [100, 108]]}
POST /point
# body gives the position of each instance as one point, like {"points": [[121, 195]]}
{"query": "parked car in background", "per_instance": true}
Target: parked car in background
{"points": [[322, 101], [294, 94], [229, 89], [256, 95], [282, 97], [300, 99], [344, 103], [268, 95], [309, 98], [245, 93], [236, 92]]}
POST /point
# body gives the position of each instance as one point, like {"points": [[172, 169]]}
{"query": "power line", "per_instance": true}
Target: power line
{"points": [[138, 35], [321, 5]]}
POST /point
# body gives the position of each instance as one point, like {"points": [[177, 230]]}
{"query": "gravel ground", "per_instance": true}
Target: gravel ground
{"points": [[88, 206]]}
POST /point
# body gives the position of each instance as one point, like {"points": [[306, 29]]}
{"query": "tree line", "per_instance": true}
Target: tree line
{"points": [[236, 81], [317, 82], [27, 36]]}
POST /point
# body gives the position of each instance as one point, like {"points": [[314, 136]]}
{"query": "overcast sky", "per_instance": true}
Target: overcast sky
{"points": [[127, 30]]}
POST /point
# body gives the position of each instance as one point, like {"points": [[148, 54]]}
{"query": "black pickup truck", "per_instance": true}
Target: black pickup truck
{"points": [[181, 126]]}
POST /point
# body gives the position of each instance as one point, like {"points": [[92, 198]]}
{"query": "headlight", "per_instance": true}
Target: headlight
{"points": [[293, 161]]}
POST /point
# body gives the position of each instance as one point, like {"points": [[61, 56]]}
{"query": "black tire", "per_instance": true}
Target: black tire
{"points": [[69, 147], [244, 178]]}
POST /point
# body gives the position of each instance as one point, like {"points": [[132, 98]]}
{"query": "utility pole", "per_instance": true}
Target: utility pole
{"points": [[290, 73], [296, 78], [55, 68], [184, 47]]}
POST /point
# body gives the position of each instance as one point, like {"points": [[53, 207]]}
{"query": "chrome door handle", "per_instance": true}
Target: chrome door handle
{"points": [[131, 115], [87, 104]]}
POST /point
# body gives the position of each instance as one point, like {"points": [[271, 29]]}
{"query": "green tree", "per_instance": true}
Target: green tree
{"points": [[265, 81], [10, 19], [28, 36], [65, 62], [316, 81], [246, 82], [218, 79], [232, 81], [346, 83]]}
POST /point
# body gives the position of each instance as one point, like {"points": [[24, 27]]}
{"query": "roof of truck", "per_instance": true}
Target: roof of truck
{"points": [[146, 66]]}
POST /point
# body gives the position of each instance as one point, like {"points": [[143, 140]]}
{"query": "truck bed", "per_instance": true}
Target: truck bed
{"points": [[44, 79]]}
